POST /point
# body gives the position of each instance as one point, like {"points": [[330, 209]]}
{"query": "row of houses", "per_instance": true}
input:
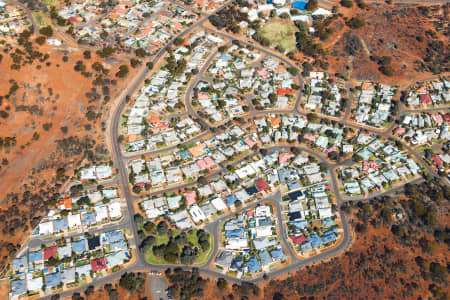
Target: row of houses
{"points": [[146, 128], [381, 165], [425, 127], [68, 262], [310, 218], [374, 105], [239, 75], [82, 212], [250, 243], [322, 96], [429, 93]]}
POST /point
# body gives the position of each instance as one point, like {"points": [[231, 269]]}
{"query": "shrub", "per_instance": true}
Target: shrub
{"points": [[347, 3], [356, 23]]}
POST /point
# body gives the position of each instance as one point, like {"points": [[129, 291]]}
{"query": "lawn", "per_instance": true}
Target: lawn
{"points": [[163, 239], [280, 33], [42, 19]]}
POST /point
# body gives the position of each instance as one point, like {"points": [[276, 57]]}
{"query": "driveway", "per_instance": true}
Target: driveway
{"points": [[158, 286]]}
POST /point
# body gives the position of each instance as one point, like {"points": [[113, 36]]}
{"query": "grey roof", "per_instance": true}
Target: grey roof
{"points": [[114, 236], [224, 259], [52, 279], [264, 221], [20, 262], [208, 209], [265, 257], [18, 287], [263, 243], [79, 246], [65, 251], [88, 218], [118, 245], [83, 270], [60, 224], [35, 256], [237, 264], [278, 254], [68, 275]]}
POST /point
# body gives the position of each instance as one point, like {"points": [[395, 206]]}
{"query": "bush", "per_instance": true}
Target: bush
{"points": [[347, 3], [40, 40], [356, 23], [47, 31], [162, 228], [123, 71], [312, 5]]}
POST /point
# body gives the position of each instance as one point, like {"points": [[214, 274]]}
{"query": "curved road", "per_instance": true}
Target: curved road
{"points": [[119, 159]]}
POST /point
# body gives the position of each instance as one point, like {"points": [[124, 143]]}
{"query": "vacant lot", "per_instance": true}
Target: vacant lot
{"points": [[280, 33]]}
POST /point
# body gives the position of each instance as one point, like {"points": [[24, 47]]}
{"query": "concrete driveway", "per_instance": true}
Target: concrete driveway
{"points": [[158, 286]]}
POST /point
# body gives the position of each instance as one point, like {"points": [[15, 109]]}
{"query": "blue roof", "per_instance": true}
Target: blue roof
{"points": [[20, 262], [295, 195], [315, 240], [251, 190], [265, 257], [278, 254], [301, 5], [234, 234], [231, 199], [237, 263], [327, 222], [94, 242], [293, 185], [60, 224], [35, 256], [328, 236], [306, 246], [299, 224], [53, 279], [88, 218], [184, 154], [253, 265], [79, 246], [225, 57], [114, 236], [18, 287]]}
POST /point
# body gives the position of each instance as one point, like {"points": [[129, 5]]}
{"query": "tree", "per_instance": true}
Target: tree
{"points": [[47, 31], [293, 71], [40, 40], [162, 228], [131, 281], [123, 71], [149, 226], [140, 52], [347, 3], [356, 23], [149, 65], [312, 5], [222, 284]]}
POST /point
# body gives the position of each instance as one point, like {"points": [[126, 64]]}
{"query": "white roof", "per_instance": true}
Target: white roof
{"points": [[46, 228], [101, 213], [321, 12], [219, 204], [114, 209], [34, 284], [74, 220]]}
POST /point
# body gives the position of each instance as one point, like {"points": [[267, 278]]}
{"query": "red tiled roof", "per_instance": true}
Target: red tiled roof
{"points": [[298, 239], [50, 252], [262, 185], [98, 264]]}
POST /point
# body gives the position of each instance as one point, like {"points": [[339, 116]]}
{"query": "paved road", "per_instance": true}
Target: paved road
{"points": [[158, 286], [214, 227]]}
